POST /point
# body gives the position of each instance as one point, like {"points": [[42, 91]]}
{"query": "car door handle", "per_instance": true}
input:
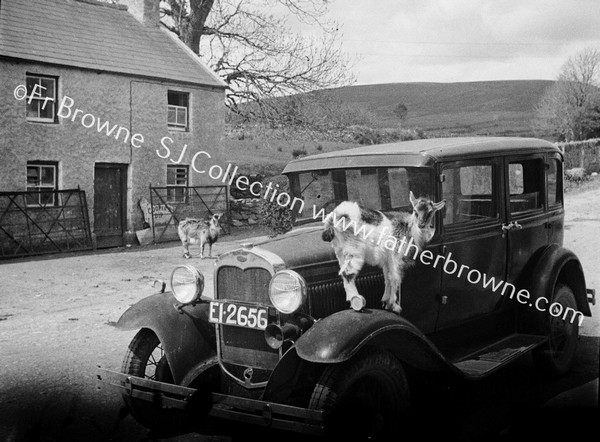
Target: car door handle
{"points": [[511, 226]]}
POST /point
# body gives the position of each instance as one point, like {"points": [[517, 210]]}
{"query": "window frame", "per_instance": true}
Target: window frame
{"points": [[496, 194], [177, 186], [39, 188], [41, 99], [559, 181], [178, 126], [542, 185]]}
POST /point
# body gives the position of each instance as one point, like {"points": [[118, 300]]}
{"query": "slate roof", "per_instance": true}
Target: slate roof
{"points": [[97, 36]]}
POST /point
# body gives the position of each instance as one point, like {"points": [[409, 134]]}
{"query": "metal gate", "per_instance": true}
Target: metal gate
{"points": [[171, 205], [28, 227]]}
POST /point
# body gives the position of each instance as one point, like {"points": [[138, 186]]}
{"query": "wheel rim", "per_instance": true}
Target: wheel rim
{"points": [[372, 407], [562, 332], [155, 362]]}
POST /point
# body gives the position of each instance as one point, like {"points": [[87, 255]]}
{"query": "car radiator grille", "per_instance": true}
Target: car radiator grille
{"points": [[244, 346], [329, 297]]}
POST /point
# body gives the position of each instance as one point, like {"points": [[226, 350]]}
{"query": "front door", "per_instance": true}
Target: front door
{"points": [[474, 243], [527, 227], [110, 204]]}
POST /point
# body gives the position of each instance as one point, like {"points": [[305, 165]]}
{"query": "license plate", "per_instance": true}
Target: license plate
{"points": [[238, 315]]}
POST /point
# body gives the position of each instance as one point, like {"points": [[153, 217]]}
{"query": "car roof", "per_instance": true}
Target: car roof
{"points": [[420, 153]]}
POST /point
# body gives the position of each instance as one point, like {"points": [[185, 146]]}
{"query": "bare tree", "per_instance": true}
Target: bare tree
{"points": [[570, 109], [255, 50]]}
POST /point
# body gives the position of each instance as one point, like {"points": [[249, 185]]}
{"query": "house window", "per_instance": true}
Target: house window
{"points": [[178, 110], [41, 98], [177, 181], [42, 178]]}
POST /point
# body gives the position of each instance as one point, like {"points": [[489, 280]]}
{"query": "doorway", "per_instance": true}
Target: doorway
{"points": [[110, 204]]}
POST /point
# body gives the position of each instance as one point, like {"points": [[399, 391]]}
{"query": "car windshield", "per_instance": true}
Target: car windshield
{"points": [[381, 188]]}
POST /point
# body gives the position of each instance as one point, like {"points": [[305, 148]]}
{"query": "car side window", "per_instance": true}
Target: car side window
{"points": [[526, 183], [554, 175], [469, 194]]}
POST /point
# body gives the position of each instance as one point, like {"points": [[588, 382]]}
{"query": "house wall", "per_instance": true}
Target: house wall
{"points": [[137, 104]]}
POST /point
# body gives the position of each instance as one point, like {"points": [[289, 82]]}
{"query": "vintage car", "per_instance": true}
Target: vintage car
{"points": [[275, 343]]}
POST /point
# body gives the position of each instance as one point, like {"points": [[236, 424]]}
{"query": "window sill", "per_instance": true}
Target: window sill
{"points": [[42, 120], [178, 129]]}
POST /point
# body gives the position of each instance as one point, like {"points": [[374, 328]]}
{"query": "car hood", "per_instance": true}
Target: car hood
{"points": [[302, 246]]}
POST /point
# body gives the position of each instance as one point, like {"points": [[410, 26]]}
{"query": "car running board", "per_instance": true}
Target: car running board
{"points": [[497, 355]]}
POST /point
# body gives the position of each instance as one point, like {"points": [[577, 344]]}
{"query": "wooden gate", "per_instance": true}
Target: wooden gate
{"points": [[30, 228], [192, 202]]}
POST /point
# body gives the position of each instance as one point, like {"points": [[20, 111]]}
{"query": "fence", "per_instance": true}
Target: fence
{"points": [[170, 205], [38, 222]]}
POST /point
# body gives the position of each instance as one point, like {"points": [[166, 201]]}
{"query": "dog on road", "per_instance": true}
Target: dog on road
{"points": [[194, 231]]}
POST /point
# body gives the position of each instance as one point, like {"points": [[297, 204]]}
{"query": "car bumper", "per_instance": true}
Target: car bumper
{"points": [[251, 411]]}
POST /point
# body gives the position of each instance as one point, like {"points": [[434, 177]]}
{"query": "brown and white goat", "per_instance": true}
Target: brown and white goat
{"points": [[362, 236], [193, 231]]}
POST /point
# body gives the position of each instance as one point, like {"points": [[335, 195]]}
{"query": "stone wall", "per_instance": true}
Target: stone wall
{"points": [[244, 211]]}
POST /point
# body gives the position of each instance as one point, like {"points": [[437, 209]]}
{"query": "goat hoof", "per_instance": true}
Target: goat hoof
{"points": [[358, 303], [396, 309]]}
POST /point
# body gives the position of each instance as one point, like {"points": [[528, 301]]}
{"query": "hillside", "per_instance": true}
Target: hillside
{"points": [[474, 108], [502, 108]]}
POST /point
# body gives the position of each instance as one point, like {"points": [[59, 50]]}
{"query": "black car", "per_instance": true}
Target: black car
{"points": [[276, 344]]}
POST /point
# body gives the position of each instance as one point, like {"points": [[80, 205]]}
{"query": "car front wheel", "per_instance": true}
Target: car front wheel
{"points": [[363, 398], [556, 356], [146, 359]]}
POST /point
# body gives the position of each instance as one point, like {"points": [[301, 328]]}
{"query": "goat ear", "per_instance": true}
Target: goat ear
{"points": [[439, 206], [413, 200]]}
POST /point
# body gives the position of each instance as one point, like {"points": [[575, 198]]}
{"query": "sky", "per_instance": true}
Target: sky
{"points": [[463, 40]]}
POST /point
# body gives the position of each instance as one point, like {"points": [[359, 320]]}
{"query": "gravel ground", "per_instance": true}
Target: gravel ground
{"points": [[54, 329]]}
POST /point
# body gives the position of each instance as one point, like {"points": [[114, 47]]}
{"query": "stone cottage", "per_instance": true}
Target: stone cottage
{"points": [[101, 98]]}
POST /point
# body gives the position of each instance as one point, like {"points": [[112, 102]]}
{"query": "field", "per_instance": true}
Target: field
{"points": [[496, 108], [476, 108]]}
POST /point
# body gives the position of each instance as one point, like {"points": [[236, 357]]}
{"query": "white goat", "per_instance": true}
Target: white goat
{"points": [[362, 236]]}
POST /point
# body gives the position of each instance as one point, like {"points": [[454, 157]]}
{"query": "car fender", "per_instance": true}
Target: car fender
{"points": [[554, 264], [187, 337], [340, 336]]}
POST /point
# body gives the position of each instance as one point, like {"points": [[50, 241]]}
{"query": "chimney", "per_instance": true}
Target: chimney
{"points": [[146, 12]]}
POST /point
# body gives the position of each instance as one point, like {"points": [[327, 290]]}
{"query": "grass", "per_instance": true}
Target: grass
{"points": [[572, 188], [269, 156], [475, 108]]}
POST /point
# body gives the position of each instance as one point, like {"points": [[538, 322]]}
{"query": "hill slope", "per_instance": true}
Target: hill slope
{"points": [[474, 108]]}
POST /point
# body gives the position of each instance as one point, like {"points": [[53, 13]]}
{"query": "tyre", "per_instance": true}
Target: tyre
{"points": [[363, 398], [145, 358], [556, 356]]}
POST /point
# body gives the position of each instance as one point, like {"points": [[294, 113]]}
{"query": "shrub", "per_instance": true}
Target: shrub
{"points": [[298, 152], [576, 175], [276, 218]]}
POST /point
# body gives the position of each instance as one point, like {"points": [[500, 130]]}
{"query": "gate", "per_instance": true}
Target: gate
{"points": [[30, 228], [169, 207]]}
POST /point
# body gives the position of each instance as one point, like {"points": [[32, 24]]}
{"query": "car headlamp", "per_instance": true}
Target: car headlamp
{"points": [[287, 291], [187, 283]]}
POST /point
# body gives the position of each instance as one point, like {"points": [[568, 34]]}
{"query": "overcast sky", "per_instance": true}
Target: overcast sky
{"points": [[464, 40]]}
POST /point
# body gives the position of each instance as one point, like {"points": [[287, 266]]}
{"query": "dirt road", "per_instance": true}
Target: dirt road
{"points": [[54, 329]]}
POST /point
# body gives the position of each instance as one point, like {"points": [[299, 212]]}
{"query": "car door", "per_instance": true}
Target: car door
{"points": [[474, 243], [527, 228]]}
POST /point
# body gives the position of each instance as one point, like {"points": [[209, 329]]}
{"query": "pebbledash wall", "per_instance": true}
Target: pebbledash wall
{"points": [[138, 104]]}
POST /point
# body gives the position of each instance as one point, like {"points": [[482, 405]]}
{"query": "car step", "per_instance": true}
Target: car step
{"points": [[497, 354]]}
